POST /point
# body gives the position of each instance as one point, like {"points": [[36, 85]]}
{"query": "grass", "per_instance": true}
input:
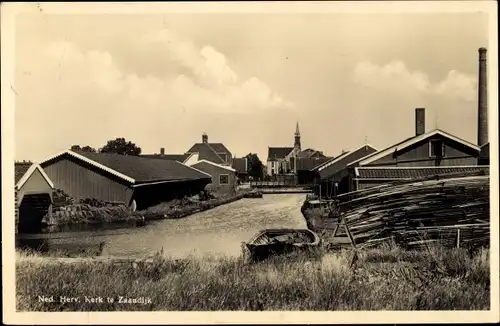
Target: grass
{"points": [[386, 278]]}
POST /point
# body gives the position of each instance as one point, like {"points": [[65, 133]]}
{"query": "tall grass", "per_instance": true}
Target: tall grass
{"points": [[381, 279]]}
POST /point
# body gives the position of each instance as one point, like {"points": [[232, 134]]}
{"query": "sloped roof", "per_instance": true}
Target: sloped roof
{"points": [[20, 169], [24, 170], [340, 162], [310, 163], [408, 173], [309, 153], [170, 157], [136, 169], [411, 141], [278, 152], [219, 148], [240, 164], [207, 152], [225, 167]]}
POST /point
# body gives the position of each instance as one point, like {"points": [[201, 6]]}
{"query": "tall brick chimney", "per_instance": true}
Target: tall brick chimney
{"points": [[204, 138], [482, 99], [419, 121], [162, 151]]}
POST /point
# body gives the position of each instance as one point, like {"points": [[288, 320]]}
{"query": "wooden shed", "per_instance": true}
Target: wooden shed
{"points": [[123, 178], [33, 196], [223, 177]]}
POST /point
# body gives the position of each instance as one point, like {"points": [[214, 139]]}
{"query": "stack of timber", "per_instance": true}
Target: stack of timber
{"points": [[452, 212]]}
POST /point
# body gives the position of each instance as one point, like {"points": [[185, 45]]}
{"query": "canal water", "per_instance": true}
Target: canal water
{"points": [[215, 232]]}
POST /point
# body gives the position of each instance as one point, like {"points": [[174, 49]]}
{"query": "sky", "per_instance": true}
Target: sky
{"points": [[161, 80]]}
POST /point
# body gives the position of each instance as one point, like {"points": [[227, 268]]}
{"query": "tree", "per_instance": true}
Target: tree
{"points": [[121, 146], [83, 149], [254, 166]]}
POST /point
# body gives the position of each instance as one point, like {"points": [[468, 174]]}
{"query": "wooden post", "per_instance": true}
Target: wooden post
{"points": [[349, 234], [458, 238]]}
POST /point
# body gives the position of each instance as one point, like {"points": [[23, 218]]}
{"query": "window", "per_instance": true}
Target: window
{"points": [[224, 179], [436, 148]]}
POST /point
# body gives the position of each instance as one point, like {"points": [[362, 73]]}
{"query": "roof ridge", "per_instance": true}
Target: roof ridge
{"points": [[213, 150], [416, 138]]}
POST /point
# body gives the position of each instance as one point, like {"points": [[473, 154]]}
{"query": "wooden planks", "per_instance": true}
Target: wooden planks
{"points": [[452, 211]]}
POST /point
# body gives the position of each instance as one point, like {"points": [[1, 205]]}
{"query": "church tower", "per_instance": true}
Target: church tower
{"points": [[297, 137]]}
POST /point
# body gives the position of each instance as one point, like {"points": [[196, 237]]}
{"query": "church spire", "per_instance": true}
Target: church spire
{"points": [[297, 137]]}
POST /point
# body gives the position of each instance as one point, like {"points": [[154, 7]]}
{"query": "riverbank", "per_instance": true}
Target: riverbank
{"points": [[383, 279], [284, 190], [88, 214], [179, 209]]}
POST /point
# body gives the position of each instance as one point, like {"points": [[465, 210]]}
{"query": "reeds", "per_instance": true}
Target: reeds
{"points": [[386, 278]]}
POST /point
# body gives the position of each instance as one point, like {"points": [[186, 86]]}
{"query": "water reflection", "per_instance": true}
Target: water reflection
{"points": [[215, 232]]}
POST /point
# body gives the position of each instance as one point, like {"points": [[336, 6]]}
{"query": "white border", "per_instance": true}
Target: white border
{"points": [[291, 317], [30, 171]]}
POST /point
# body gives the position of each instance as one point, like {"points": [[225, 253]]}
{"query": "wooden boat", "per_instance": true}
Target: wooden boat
{"points": [[272, 242]]}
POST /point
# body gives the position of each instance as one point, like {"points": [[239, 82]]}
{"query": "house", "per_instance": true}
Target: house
{"points": [[213, 152], [436, 151], [33, 196], [223, 176], [283, 160], [306, 166], [329, 176], [240, 164], [123, 178]]}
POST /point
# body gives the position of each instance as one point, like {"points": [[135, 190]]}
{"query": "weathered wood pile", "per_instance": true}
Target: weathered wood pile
{"points": [[452, 211], [253, 194]]}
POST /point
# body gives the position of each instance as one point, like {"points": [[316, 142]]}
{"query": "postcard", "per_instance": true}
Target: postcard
{"points": [[250, 162]]}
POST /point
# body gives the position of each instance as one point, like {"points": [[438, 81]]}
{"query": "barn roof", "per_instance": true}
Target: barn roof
{"points": [[224, 167], [409, 142], [24, 170], [408, 173], [310, 163], [340, 162], [136, 169], [170, 157], [20, 169]]}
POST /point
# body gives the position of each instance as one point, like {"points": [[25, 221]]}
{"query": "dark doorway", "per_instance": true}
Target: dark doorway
{"points": [[32, 209]]}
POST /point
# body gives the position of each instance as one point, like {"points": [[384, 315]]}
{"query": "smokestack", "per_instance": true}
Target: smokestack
{"points": [[162, 151], [419, 121], [204, 138], [482, 110]]}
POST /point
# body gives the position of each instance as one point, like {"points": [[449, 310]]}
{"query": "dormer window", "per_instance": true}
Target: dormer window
{"points": [[436, 148]]}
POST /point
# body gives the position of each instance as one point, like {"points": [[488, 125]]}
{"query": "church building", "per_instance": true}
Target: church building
{"points": [[283, 160]]}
